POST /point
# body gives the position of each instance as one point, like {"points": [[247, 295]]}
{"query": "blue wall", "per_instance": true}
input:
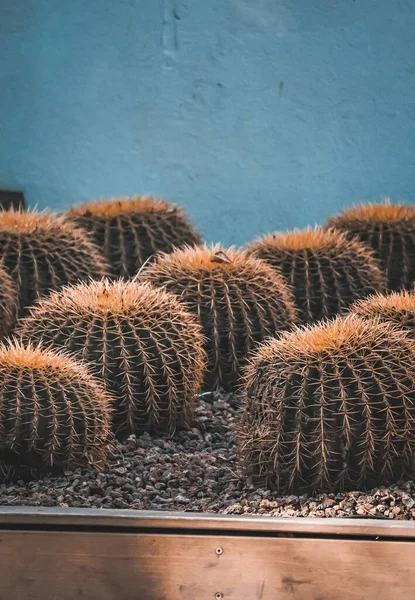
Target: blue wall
{"points": [[253, 114]]}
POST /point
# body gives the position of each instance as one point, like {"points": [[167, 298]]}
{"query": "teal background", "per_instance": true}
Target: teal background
{"points": [[252, 114]]}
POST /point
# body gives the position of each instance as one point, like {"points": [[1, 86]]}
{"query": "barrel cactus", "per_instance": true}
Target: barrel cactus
{"points": [[238, 300], [396, 307], [42, 253], [53, 414], [389, 229], [326, 271], [131, 230], [139, 340], [331, 407], [7, 303]]}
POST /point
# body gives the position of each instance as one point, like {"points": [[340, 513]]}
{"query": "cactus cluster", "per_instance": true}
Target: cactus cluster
{"points": [[42, 253], [238, 300], [389, 229], [7, 303], [331, 406], [396, 307], [325, 270], [138, 340], [52, 413], [131, 230]]}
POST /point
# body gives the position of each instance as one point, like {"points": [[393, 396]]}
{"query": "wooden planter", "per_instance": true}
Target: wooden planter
{"points": [[87, 554]]}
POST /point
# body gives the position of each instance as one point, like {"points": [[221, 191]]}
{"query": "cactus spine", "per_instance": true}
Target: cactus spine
{"points": [[142, 343], [42, 254], [326, 271], [52, 413], [238, 300], [131, 230], [7, 303], [396, 307], [331, 406], [389, 229]]}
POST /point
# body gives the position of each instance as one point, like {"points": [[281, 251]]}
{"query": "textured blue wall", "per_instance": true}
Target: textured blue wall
{"points": [[253, 114]]}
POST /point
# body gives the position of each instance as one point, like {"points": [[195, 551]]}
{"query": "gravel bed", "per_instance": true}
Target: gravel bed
{"points": [[197, 470]]}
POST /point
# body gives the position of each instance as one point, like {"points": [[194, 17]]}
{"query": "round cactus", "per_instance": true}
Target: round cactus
{"points": [[389, 229], [396, 307], [238, 299], [53, 414], [139, 340], [131, 230], [326, 271], [331, 406], [7, 303], [42, 253]]}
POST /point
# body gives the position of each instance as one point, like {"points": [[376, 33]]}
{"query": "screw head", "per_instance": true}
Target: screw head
{"points": [[219, 551]]}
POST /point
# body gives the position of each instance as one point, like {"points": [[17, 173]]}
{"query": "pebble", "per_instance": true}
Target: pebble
{"points": [[197, 470]]}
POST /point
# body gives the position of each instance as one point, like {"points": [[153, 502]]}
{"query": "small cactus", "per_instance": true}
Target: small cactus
{"points": [[326, 271], [131, 230], [396, 307], [42, 253], [389, 229], [140, 341], [331, 407], [53, 415], [7, 303], [238, 300]]}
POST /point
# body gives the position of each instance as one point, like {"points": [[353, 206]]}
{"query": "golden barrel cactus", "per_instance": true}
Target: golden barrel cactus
{"points": [[325, 270], [42, 253], [138, 340], [238, 300], [331, 407], [129, 231], [396, 307], [53, 414], [389, 229]]}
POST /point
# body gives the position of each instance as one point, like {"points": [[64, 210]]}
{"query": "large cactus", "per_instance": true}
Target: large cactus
{"points": [[52, 413], [7, 302], [131, 230], [326, 271], [396, 307], [389, 229], [42, 253], [140, 341], [331, 406], [238, 299]]}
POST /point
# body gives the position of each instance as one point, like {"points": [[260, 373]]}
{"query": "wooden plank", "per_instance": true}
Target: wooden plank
{"points": [[38, 517], [99, 566]]}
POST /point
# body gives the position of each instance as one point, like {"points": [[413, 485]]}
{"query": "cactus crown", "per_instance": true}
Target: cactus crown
{"points": [[239, 301], [337, 336], [105, 298], [396, 307], [213, 260], [30, 223], [316, 239], [395, 215], [121, 206], [331, 406], [32, 356], [140, 340]]}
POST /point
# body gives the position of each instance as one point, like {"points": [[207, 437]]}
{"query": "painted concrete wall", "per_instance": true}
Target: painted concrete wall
{"points": [[253, 114]]}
